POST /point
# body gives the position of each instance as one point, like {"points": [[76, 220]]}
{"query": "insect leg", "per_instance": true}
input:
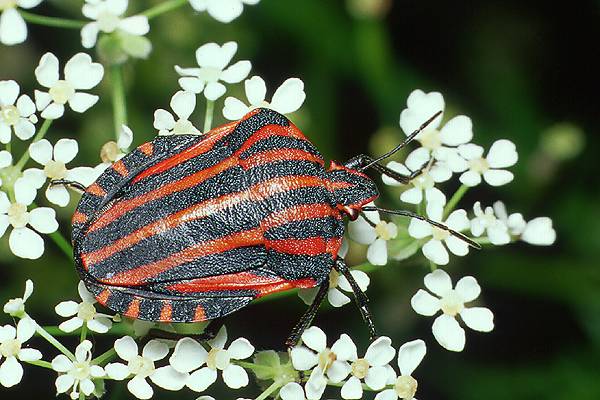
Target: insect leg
{"points": [[361, 160], [210, 332], [361, 298], [71, 184], [308, 316]]}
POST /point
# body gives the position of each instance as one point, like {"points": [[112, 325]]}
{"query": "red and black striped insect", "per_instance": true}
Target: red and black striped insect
{"points": [[190, 228]]}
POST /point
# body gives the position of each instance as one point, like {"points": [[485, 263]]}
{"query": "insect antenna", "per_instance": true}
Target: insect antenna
{"points": [[457, 234], [406, 141]]}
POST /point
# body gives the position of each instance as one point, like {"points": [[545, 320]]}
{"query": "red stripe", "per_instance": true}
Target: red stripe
{"points": [[240, 281], [270, 156], [139, 275], [254, 193], [310, 246]]}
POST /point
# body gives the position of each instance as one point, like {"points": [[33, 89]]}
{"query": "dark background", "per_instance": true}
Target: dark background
{"points": [[525, 71]]}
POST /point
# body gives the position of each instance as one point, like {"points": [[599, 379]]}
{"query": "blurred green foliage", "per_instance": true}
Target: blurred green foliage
{"points": [[522, 70]]}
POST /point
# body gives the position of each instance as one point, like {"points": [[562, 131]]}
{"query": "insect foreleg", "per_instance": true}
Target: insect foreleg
{"points": [[361, 298], [362, 160], [308, 316], [72, 184]]}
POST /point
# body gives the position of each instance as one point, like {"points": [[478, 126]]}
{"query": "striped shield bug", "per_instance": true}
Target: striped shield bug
{"points": [[190, 228]]}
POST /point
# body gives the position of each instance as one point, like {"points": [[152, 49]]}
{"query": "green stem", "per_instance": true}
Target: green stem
{"points": [[62, 243], [40, 135], [118, 92], [52, 340], [274, 386], [252, 366], [455, 199], [210, 107], [83, 334], [163, 8], [40, 363], [104, 357], [51, 21]]}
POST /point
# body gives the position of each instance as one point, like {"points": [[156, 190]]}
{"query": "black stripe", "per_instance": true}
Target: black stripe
{"points": [[293, 267], [327, 227]]}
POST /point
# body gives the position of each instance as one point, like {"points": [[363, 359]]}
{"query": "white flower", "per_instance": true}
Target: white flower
{"points": [[11, 349], [80, 74], [189, 355], [330, 364], [287, 98], [440, 143], [539, 231], [410, 356], [183, 104], [16, 307], [77, 375], [514, 222], [213, 60], [83, 312], [372, 368], [12, 26], [375, 233], [338, 284], [486, 221], [422, 184], [107, 16], [434, 248], [140, 367], [16, 113], [451, 302], [23, 241], [222, 10], [502, 154], [54, 160], [292, 391]]}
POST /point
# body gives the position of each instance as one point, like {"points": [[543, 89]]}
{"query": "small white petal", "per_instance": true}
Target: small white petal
{"points": [[478, 318], [214, 90], [435, 251], [225, 10], [410, 356], [289, 97], [82, 73], [191, 84], [43, 220], [42, 99], [89, 34], [352, 389], [457, 246], [47, 70], [25, 106], [337, 298], [183, 103], [41, 151], [338, 371], [468, 288], [163, 119], [155, 350], [344, 348], [240, 349], [64, 383], [99, 325], [539, 231], [137, 25], [387, 394], [117, 371], [201, 379], [376, 377], [25, 191], [380, 352], [421, 107], [81, 102], [419, 229], [66, 308], [9, 91], [25, 243], [236, 72], [25, 329], [61, 363], [424, 303], [30, 355], [438, 282], [11, 372], [498, 177], [126, 348], [125, 137], [168, 378], [86, 386], [140, 388], [5, 159], [219, 341], [188, 355], [292, 391], [24, 129], [256, 90], [361, 231], [458, 220], [303, 359], [412, 196], [235, 376], [457, 131], [53, 111], [315, 338], [71, 325], [448, 333], [234, 109], [502, 154], [377, 252], [470, 151]]}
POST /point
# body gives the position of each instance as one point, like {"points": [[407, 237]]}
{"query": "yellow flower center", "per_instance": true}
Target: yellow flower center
{"points": [[10, 348], [6, 4], [326, 358], [108, 22], [209, 74], [61, 92], [86, 311], [360, 368], [406, 387], [217, 359], [439, 234], [430, 139], [452, 303], [385, 231], [334, 279], [18, 215], [80, 370], [141, 366], [55, 170], [9, 114], [109, 152], [479, 165]]}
